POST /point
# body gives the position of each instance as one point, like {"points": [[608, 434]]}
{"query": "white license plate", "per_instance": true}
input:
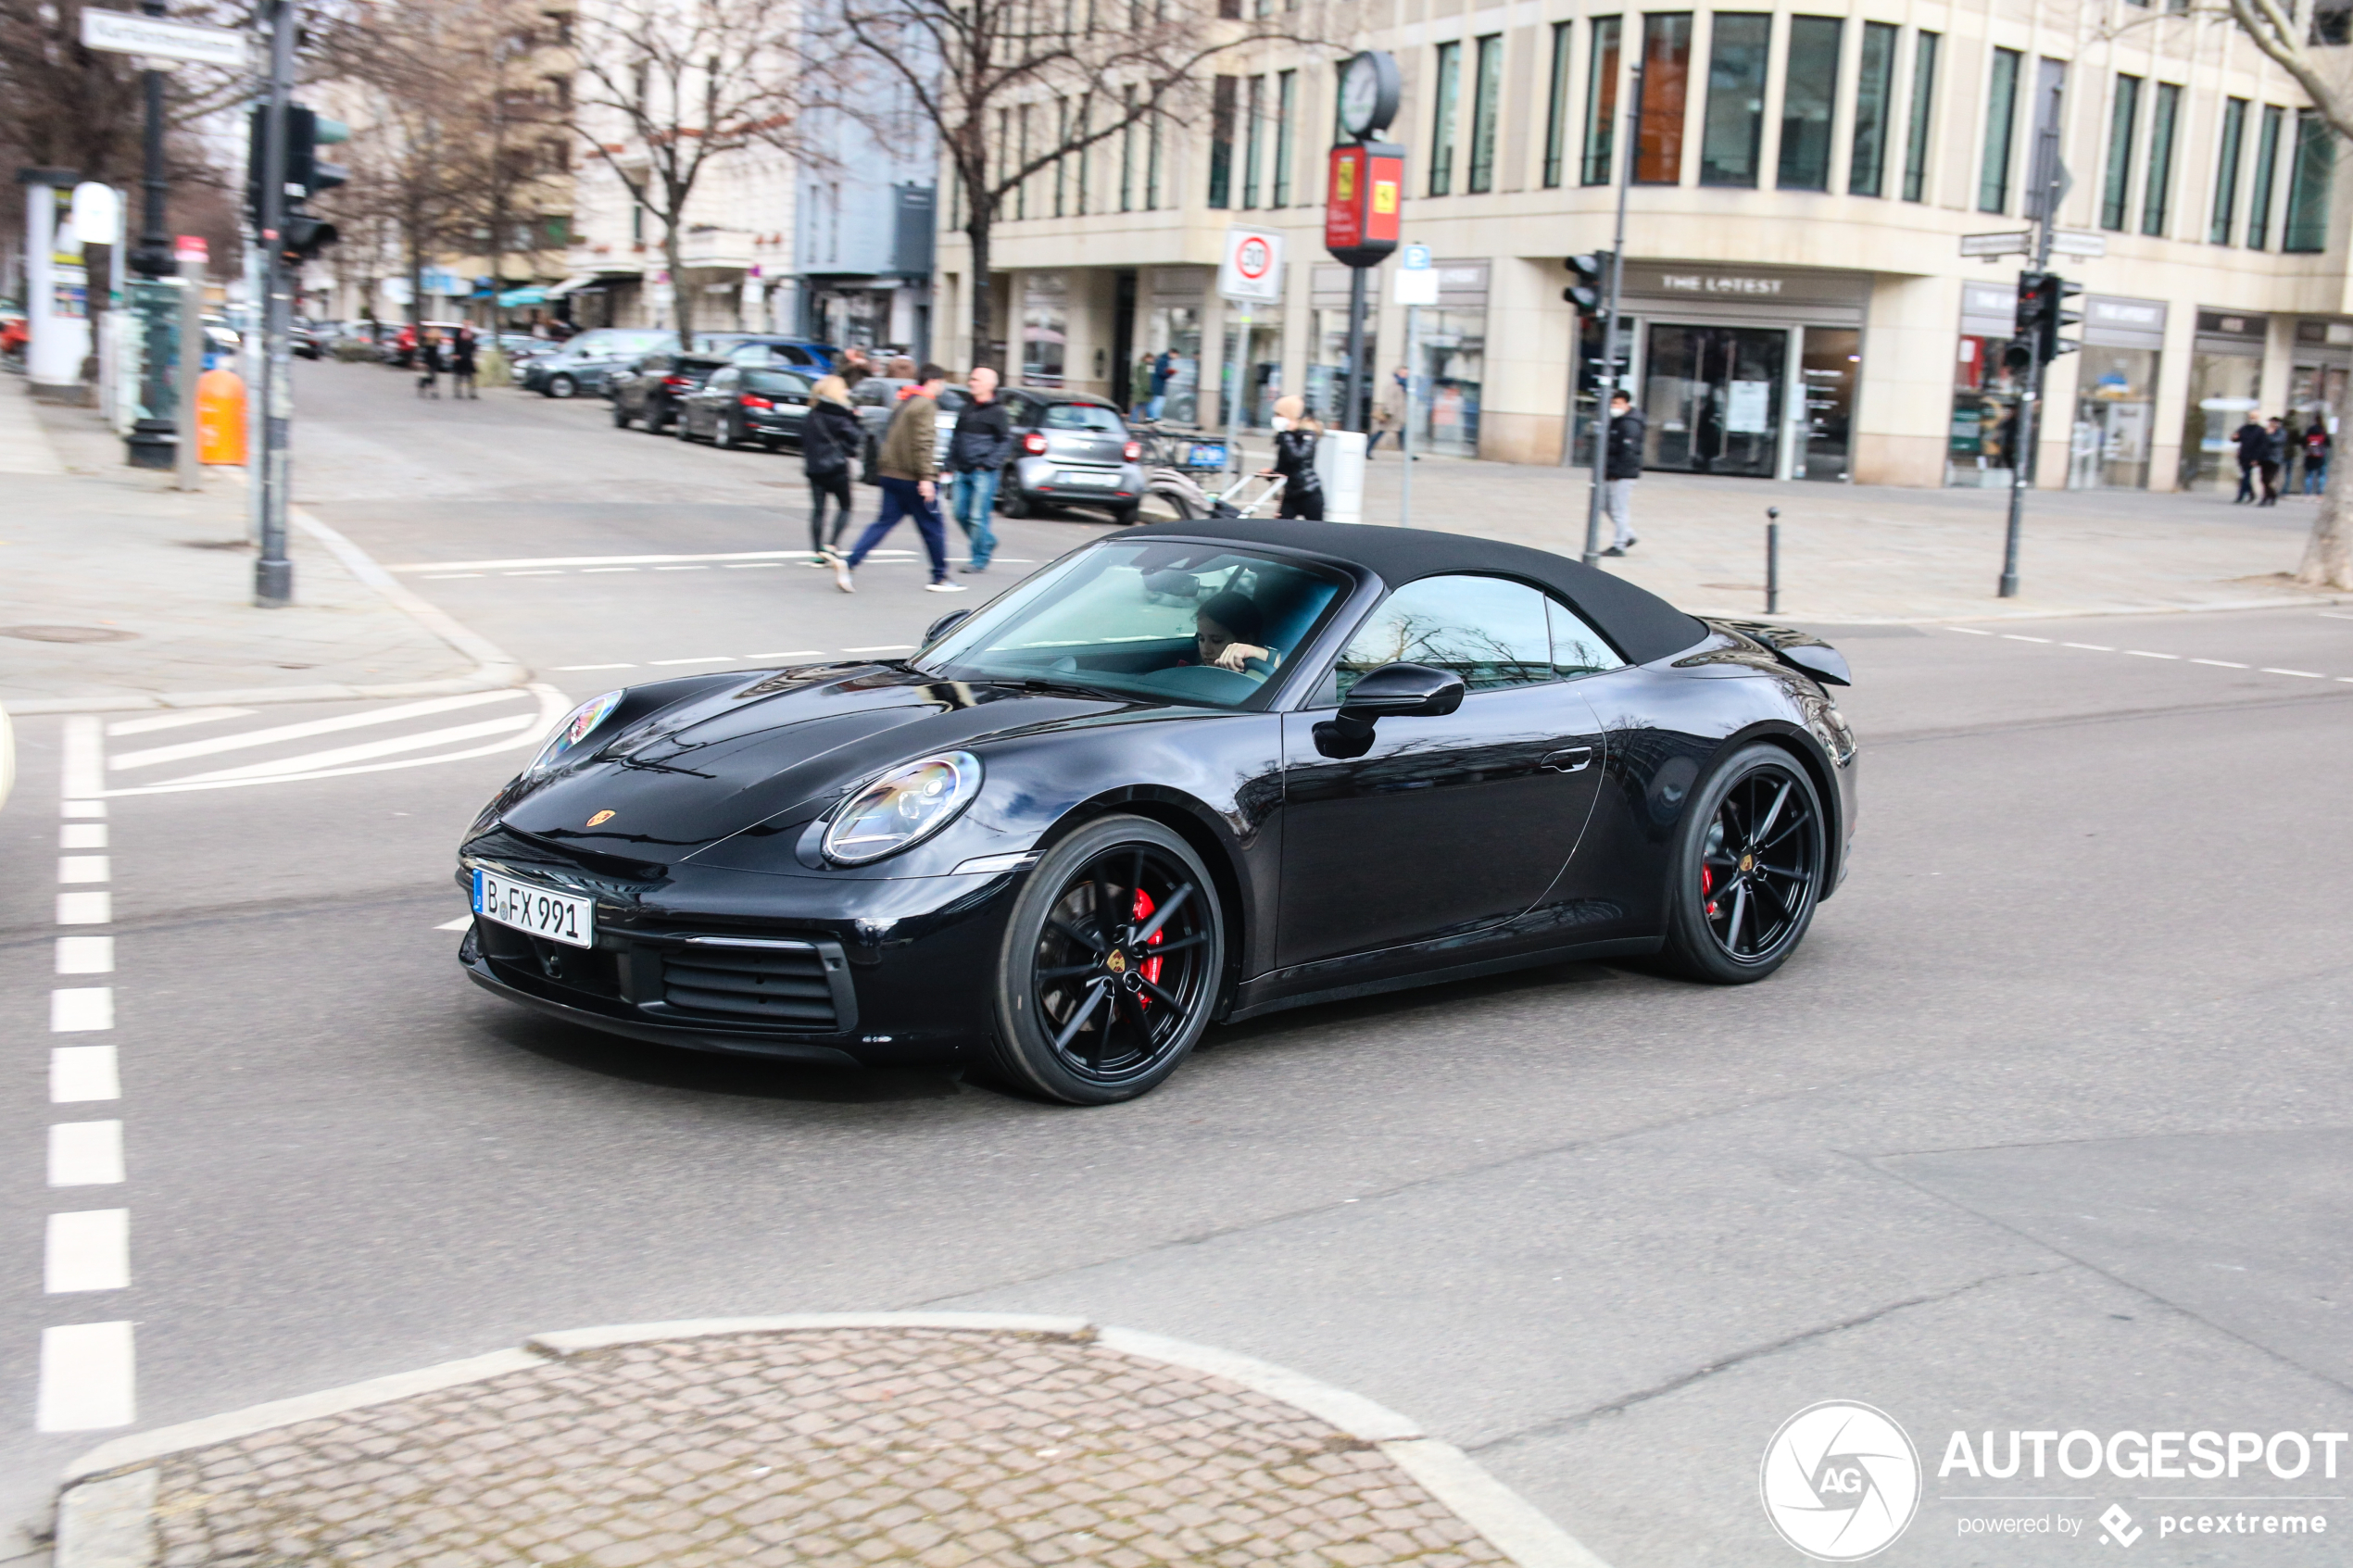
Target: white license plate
{"points": [[543, 911], [1080, 476]]}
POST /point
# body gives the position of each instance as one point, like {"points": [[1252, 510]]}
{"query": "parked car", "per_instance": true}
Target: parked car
{"points": [[1070, 449], [876, 398], [648, 392], [769, 349], [519, 347], [746, 405], [304, 339], [581, 364]]}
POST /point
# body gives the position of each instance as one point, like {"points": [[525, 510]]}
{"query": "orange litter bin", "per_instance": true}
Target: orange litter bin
{"points": [[221, 418]]}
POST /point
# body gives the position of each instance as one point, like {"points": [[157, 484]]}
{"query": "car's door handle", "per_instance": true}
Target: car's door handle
{"points": [[1569, 760]]}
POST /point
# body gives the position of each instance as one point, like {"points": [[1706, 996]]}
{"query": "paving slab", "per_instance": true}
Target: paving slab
{"points": [[118, 591]]}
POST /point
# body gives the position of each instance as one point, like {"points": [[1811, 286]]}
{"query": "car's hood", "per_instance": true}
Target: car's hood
{"points": [[734, 755]]}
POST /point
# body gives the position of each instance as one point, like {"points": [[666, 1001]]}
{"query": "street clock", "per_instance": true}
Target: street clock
{"points": [[1369, 87]]}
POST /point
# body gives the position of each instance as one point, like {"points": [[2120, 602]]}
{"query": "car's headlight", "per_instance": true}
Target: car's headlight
{"points": [[904, 807], [582, 720]]}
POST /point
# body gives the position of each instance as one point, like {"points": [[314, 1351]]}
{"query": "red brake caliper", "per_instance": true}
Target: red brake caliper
{"points": [[1706, 886], [1149, 967]]}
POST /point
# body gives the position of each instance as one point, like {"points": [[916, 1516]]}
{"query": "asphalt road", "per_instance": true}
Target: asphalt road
{"points": [[2045, 1127]]}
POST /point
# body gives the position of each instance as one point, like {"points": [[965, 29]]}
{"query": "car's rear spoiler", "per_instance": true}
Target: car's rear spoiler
{"points": [[1801, 651]]}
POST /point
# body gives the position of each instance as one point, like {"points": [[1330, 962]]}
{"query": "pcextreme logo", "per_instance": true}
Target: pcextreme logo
{"points": [[1841, 1481]]}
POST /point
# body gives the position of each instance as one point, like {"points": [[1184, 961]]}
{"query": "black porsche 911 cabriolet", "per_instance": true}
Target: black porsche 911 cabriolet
{"points": [[1181, 776]]}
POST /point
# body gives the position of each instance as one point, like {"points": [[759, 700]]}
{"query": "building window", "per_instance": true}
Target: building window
{"points": [[2267, 167], [1286, 109], [1733, 131], [2226, 173], [1151, 160], [2332, 22], [1487, 91], [2001, 127], [1442, 125], [1810, 98], [1601, 103], [1255, 116], [2123, 118], [1556, 106], [1062, 140], [1666, 80], [2306, 229], [1874, 94], [1021, 160], [2157, 195], [1221, 142], [1923, 118], [1128, 150]]}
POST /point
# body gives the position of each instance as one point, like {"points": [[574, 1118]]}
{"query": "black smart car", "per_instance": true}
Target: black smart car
{"points": [[1184, 775]]}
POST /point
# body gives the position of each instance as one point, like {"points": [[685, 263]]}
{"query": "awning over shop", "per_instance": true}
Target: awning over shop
{"points": [[531, 293], [571, 284]]}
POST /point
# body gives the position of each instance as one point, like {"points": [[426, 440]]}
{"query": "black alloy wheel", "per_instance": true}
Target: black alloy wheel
{"points": [[619, 417], [1112, 959], [562, 385], [1754, 850]]}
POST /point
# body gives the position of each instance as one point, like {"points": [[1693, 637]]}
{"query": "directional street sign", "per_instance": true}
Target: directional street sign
{"points": [[2019, 242], [2066, 242], [120, 33]]}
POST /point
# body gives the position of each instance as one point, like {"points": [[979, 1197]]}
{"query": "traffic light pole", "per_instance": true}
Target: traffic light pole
{"points": [[2052, 180], [2022, 445], [1605, 383], [273, 573]]}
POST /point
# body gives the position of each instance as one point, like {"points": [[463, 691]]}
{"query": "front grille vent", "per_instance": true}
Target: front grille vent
{"points": [[782, 985]]}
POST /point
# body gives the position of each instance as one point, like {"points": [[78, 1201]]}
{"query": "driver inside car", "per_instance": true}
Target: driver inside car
{"points": [[1228, 630]]}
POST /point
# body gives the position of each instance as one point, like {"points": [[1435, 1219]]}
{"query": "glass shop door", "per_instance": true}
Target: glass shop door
{"points": [[1713, 397]]}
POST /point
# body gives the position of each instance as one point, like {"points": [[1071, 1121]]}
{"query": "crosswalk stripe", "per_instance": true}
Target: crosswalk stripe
{"points": [[250, 739], [310, 760], [175, 721]]}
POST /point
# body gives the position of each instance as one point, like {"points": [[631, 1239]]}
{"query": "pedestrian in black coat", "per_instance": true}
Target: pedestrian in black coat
{"points": [[2252, 442], [429, 364], [461, 364], [1621, 466], [1295, 438], [831, 438]]}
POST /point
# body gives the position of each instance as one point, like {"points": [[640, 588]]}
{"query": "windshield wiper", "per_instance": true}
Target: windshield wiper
{"points": [[1044, 684]]}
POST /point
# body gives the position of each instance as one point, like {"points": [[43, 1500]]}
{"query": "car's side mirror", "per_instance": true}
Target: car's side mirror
{"points": [[944, 625], [1393, 691]]}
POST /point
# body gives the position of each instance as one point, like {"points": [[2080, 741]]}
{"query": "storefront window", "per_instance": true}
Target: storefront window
{"points": [[1809, 96], [1713, 396], [1328, 367], [1735, 118], [1262, 366], [2108, 449], [1601, 103], [1174, 330], [1829, 370], [1667, 71], [1451, 362], [2223, 389], [1045, 328], [1984, 414]]}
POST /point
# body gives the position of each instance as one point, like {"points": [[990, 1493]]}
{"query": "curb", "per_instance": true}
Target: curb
{"points": [[106, 1510], [493, 670]]}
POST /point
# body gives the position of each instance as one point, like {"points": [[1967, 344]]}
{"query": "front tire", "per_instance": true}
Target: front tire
{"points": [[1750, 862], [562, 385], [619, 417], [722, 434], [1111, 965]]}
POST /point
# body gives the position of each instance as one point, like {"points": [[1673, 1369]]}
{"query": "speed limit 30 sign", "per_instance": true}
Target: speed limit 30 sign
{"points": [[1252, 267]]}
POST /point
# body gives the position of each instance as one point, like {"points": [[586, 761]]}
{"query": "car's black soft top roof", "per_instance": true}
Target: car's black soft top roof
{"points": [[1641, 625]]}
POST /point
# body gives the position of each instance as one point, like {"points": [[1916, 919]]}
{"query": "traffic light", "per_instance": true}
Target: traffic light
{"points": [[2041, 312], [1587, 294], [307, 131], [306, 175]]}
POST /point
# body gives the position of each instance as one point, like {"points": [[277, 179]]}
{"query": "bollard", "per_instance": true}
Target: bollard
{"points": [[1772, 560], [221, 418]]}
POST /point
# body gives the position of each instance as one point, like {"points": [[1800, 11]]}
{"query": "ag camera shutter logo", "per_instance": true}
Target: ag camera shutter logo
{"points": [[1841, 1481]]}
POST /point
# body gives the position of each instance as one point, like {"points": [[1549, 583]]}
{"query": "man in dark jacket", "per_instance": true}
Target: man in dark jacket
{"points": [[1622, 466], [2253, 442], [2274, 458], [908, 465], [977, 456]]}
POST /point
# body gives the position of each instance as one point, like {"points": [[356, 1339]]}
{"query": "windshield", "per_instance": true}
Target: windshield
{"points": [[1206, 624], [612, 340], [1081, 416], [773, 381]]}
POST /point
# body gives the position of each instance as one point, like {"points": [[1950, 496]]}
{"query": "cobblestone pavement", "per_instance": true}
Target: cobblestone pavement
{"points": [[161, 582], [816, 1449]]}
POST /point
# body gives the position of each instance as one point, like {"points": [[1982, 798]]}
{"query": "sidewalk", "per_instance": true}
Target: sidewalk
{"points": [[1854, 554], [823, 1442], [119, 592]]}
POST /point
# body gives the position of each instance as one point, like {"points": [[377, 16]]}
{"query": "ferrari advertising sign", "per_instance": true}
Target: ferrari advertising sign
{"points": [[1361, 212]]}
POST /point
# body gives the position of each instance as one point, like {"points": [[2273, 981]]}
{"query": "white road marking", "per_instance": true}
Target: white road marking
{"points": [[753, 565], [592, 570], [2016, 637], [175, 721], [88, 1250], [85, 955], [458, 924], [83, 759], [884, 648], [75, 1010], [2332, 615], [2144, 653], [681, 568], [2307, 675], [83, 868], [479, 566], [85, 909], [1969, 631], [2219, 663], [303, 731], [548, 574], [82, 835], [81, 809], [2095, 648], [87, 1381], [84, 1073], [790, 653], [86, 1154], [311, 761], [451, 576], [562, 669], [706, 659]]}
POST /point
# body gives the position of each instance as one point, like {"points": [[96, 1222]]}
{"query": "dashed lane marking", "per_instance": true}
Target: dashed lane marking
{"points": [[88, 1381], [78, 1009], [2151, 653], [85, 909], [2305, 674], [477, 567], [82, 835], [246, 740], [80, 1073], [83, 868], [85, 955], [87, 1250], [86, 1154]]}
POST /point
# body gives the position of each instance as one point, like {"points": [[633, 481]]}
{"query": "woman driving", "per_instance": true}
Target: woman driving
{"points": [[1229, 633]]}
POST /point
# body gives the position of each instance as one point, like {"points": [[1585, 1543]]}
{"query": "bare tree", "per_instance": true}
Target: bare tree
{"points": [[1014, 87], [667, 87], [2292, 47]]}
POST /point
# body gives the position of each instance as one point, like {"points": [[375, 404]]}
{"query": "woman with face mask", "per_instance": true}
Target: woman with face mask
{"points": [[1295, 438]]}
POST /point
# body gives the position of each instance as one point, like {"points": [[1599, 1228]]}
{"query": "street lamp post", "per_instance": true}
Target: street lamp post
{"points": [[154, 439], [1605, 381]]}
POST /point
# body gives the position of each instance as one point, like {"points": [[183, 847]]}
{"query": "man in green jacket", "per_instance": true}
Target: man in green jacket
{"points": [[908, 465]]}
